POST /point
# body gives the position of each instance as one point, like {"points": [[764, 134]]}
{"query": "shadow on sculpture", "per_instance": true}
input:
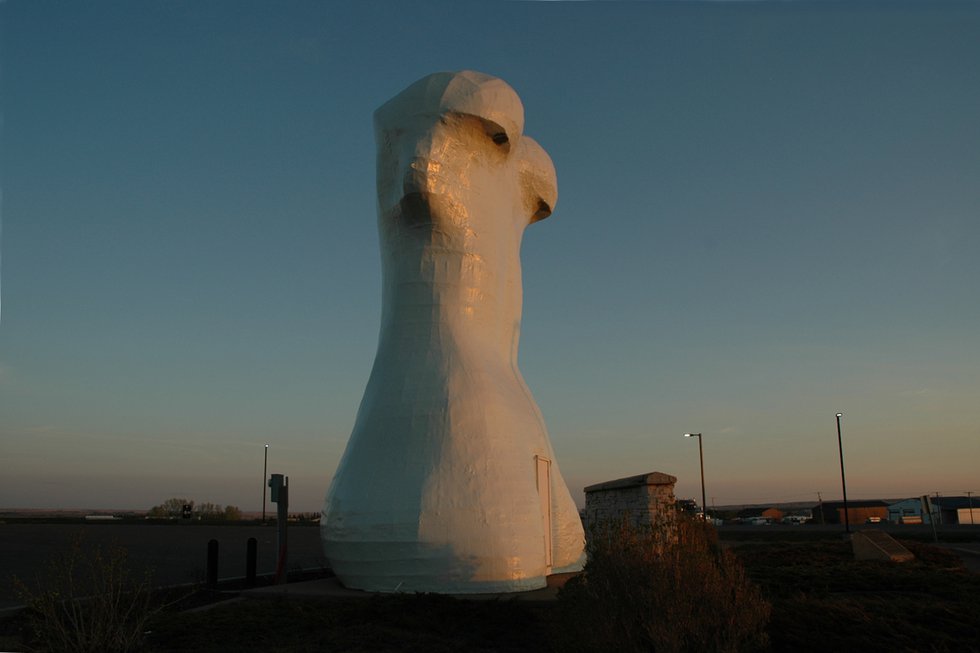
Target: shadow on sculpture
{"points": [[449, 482]]}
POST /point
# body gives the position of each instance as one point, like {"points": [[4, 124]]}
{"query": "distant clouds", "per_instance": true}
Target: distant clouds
{"points": [[917, 392]]}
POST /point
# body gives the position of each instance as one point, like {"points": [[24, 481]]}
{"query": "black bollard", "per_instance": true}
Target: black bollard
{"points": [[251, 555], [212, 573]]}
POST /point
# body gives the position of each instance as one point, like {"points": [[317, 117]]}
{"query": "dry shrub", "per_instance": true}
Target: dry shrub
{"points": [[89, 601], [669, 589]]}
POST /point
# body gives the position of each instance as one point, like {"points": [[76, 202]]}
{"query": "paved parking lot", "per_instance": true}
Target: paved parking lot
{"points": [[176, 553]]}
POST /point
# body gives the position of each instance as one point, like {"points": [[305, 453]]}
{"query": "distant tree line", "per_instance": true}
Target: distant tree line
{"points": [[173, 508], [304, 516]]}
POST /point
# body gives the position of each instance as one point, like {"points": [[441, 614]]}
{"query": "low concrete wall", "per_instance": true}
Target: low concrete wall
{"points": [[878, 545]]}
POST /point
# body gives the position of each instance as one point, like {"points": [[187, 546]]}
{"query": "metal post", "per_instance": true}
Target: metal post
{"points": [[704, 502], [251, 560], [704, 506], [843, 484], [212, 573], [927, 510], [280, 496], [265, 475], [969, 496], [282, 519]]}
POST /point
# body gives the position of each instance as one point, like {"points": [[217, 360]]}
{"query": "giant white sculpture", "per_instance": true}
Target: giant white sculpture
{"points": [[449, 482]]}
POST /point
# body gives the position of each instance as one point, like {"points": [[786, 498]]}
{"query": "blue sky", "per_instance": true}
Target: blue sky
{"points": [[768, 213]]}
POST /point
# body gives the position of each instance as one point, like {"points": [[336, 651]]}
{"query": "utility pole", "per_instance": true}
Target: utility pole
{"points": [[265, 474], [704, 501], [843, 484]]}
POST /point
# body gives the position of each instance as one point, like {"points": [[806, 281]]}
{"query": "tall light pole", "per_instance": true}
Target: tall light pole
{"points": [[704, 508], [265, 474], [843, 485]]}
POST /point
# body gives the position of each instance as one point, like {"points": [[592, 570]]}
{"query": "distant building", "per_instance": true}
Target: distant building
{"points": [[799, 514], [956, 510], [771, 514], [907, 511], [858, 512], [945, 510]]}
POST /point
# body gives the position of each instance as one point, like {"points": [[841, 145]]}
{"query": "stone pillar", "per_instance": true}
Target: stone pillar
{"points": [[647, 500]]}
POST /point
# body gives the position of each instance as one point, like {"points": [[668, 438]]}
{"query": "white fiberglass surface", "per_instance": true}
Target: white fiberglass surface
{"points": [[438, 489]]}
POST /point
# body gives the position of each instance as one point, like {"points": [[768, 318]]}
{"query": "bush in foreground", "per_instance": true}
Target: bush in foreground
{"points": [[667, 590], [90, 601]]}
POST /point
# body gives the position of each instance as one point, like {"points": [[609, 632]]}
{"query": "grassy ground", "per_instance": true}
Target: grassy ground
{"points": [[422, 623], [822, 599]]}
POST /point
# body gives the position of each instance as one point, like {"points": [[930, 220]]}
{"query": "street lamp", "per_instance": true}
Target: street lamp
{"points": [[704, 508], [843, 485], [265, 474]]}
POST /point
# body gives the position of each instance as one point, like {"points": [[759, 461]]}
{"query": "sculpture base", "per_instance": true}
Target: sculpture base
{"points": [[410, 585], [410, 567]]}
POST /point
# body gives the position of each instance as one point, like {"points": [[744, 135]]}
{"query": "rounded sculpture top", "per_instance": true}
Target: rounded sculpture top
{"points": [[466, 92], [451, 151]]}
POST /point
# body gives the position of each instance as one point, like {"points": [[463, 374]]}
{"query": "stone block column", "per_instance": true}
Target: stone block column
{"points": [[647, 500]]}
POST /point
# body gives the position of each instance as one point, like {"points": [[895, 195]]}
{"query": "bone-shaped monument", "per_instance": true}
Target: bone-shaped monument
{"points": [[449, 482]]}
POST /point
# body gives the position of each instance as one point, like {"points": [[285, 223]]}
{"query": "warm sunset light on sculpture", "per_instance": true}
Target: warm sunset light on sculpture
{"points": [[449, 482], [767, 213]]}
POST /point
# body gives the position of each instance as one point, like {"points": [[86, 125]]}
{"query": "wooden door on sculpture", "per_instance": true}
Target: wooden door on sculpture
{"points": [[544, 494]]}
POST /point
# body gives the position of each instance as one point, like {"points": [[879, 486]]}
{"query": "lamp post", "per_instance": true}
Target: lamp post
{"points": [[843, 485], [265, 473], [704, 508]]}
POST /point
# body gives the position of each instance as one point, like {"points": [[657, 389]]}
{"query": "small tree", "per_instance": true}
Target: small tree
{"points": [[174, 508], [671, 589], [90, 601], [171, 508], [209, 511]]}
